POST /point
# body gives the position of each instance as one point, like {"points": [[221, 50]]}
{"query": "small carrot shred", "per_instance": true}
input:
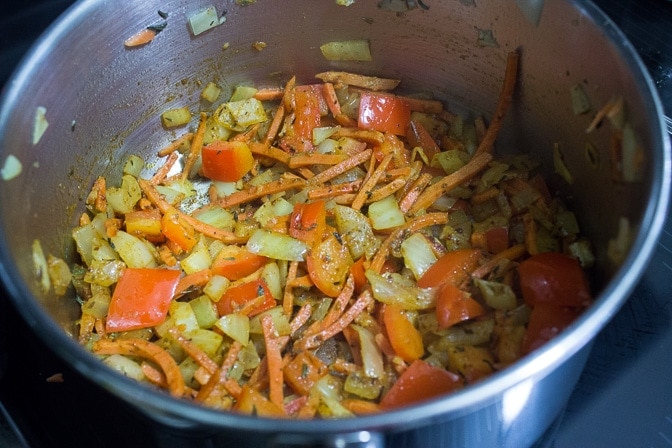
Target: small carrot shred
{"points": [[142, 37]]}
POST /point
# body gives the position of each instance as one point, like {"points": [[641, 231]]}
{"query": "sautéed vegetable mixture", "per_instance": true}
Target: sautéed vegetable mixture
{"points": [[326, 250]]}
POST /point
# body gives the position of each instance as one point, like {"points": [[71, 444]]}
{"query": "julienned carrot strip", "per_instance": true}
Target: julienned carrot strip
{"points": [[300, 318], [86, 326], [424, 105], [363, 301], [274, 362], [411, 226], [512, 253], [332, 99], [330, 191], [213, 232], [341, 168], [269, 94], [175, 144], [286, 182], [503, 103], [360, 407], [274, 127], [153, 374], [288, 94], [386, 190], [357, 80], [196, 145], [416, 189], [98, 196], [161, 174], [367, 187], [368, 136], [288, 296], [530, 234], [477, 163], [336, 310], [271, 152], [148, 350], [485, 195], [194, 351], [220, 377], [196, 280], [310, 159], [247, 135]]}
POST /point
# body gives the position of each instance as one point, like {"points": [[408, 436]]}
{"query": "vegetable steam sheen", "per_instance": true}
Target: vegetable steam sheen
{"points": [[356, 251]]}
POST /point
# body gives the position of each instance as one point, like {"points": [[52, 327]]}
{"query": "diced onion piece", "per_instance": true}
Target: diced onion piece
{"points": [[617, 248], [280, 322], [633, 156], [559, 165], [40, 124], [320, 134], [236, 326], [246, 112], [125, 365], [59, 274], [386, 214], [98, 305], [134, 165], [580, 101], [243, 93], [211, 92], [328, 388], [11, 168], [182, 316], [496, 295], [277, 245], [123, 199], [348, 50], [372, 356], [355, 230], [207, 340], [204, 310], [178, 116], [418, 254], [204, 20], [198, 260], [362, 386], [271, 275], [216, 216], [135, 252], [40, 267], [388, 289], [216, 287]]}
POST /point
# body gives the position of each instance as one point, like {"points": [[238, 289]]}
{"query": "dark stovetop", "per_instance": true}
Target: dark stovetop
{"points": [[623, 399]]}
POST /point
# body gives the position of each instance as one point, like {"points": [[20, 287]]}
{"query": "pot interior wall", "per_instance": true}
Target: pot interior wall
{"points": [[103, 101]]}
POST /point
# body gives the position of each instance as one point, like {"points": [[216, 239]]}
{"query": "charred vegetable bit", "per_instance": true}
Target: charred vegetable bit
{"points": [[350, 251]]}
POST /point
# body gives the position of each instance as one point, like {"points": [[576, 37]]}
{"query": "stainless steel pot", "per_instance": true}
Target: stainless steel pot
{"points": [[102, 103]]}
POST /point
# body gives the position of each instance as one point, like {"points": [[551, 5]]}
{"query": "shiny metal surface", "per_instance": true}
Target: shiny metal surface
{"points": [[118, 94]]}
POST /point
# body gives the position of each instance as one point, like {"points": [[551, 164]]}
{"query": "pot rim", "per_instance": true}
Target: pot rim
{"points": [[534, 366]]}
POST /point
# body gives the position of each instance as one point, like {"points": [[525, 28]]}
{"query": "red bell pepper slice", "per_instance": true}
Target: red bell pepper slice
{"points": [[555, 278], [328, 264], [454, 306], [235, 263], [453, 267], [141, 298], [226, 161], [420, 381], [310, 105], [383, 112], [308, 222], [250, 298], [546, 321]]}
